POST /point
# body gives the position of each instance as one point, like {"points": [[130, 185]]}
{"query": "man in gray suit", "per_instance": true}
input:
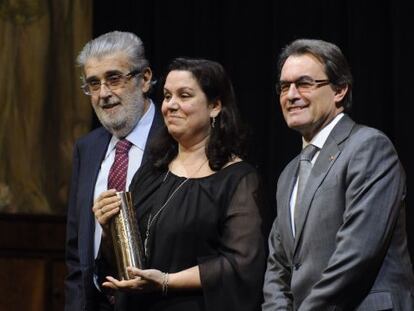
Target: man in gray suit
{"points": [[338, 242]]}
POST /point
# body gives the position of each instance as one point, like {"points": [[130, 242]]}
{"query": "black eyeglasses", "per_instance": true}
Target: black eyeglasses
{"points": [[113, 82], [303, 85]]}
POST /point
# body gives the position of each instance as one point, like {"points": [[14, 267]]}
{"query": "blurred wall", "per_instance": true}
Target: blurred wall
{"points": [[42, 109]]}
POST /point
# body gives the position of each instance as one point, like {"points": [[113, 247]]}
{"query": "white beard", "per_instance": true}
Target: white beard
{"points": [[128, 114]]}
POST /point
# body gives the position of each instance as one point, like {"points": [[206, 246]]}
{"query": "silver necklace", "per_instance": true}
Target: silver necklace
{"points": [[152, 219]]}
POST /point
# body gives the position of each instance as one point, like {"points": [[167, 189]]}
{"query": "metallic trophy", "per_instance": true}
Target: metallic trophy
{"points": [[126, 237]]}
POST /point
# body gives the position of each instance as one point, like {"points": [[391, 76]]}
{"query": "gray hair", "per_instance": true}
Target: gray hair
{"points": [[114, 42]]}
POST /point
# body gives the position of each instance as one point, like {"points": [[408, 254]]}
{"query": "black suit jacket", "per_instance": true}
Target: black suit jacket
{"points": [[89, 151]]}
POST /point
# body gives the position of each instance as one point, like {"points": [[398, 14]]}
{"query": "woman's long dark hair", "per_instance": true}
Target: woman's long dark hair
{"points": [[227, 137]]}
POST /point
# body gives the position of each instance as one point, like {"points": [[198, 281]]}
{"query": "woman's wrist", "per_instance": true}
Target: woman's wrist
{"points": [[165, 281], [188, 279]]}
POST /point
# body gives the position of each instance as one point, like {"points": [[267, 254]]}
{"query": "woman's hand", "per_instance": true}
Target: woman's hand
{"points": [[106, 206], [142, 281]]}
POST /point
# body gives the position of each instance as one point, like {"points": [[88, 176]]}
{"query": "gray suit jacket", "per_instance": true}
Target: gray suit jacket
{"points": [[350, 250]]}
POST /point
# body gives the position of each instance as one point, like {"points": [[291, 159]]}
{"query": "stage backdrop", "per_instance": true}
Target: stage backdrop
{"points": [[43, 110], [246, 38]]}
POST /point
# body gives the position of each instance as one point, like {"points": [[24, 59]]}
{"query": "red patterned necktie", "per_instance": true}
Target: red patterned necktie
{"points": [[118, 171]]}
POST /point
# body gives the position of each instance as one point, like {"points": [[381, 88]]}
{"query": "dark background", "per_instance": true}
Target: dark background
{"points": [[246, 37]]}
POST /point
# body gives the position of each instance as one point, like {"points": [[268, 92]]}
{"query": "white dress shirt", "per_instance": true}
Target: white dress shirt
{"points": [[138, 138]]}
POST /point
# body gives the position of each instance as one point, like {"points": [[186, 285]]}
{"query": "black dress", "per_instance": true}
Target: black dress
{"points": [[213, 222]]}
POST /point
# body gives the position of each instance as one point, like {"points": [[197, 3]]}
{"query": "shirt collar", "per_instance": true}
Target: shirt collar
{"points": [[320, 138], [139, 134]]}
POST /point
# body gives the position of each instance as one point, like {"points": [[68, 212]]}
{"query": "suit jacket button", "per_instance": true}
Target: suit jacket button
{"points": [[296, 266]]}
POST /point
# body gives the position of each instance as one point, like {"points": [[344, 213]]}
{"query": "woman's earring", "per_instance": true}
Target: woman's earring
{"points": [[213, 122]]}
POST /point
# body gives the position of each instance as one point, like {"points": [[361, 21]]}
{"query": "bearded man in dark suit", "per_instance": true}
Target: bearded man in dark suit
{"points": [[117, 77]]}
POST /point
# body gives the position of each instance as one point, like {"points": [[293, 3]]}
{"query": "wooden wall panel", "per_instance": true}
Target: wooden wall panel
{"points": [[23, 284], [58, 293], [32, 266]]}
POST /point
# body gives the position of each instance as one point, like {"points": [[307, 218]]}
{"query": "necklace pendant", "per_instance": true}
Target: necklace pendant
{"points": [[147, 232], [151, 219], [145, 247]]}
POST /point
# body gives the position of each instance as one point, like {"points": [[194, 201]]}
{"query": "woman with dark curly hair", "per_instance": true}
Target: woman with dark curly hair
{"points": [[197, 202]]}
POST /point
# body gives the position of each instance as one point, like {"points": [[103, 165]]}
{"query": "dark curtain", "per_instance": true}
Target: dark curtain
{"points": [[247, 36]]}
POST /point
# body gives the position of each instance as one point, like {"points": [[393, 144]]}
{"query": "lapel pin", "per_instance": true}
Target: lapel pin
{"points": [[331, 158]]}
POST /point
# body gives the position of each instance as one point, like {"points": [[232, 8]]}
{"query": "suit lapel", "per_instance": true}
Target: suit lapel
{"points": [[327, 157], [325, 160], [94, 155], [157, 124], [157, 178], [285, 188]]}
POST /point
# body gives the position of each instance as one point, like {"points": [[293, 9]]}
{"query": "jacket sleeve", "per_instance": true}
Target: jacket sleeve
{"points": [[233, 279], [374, 195], [276, 289], [73, 281]]}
